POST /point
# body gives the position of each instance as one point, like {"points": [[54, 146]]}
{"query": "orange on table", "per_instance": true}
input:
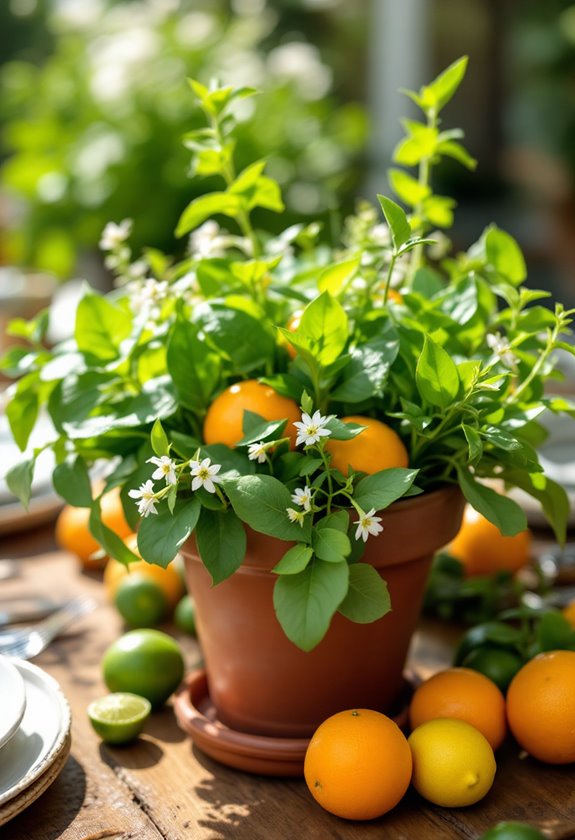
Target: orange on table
{"points": [[462, 694], [358, 764], [224, 420], [169, 579], [541, 707], [73, 534], [483, 550], [378, 447], [569, 613]]}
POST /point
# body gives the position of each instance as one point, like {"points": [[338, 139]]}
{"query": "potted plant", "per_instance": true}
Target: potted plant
{"points": [[303, 422]]}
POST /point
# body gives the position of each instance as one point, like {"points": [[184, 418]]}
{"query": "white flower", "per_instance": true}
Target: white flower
{"points": [[501, 348], [302, 496], [147, 498], [380, 235], [368, 524], [257, 452], [208, 241], [440, 248], [114, 235], [206, 474], [310, 429], [166, 469], [296, 516]]}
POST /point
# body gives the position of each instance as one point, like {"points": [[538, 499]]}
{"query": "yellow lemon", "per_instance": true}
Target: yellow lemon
{"points": [[453, 764]]}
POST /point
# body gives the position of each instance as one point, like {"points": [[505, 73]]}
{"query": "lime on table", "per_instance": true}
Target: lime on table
{"points": [[513, 831], [119, 718], [145, 662], [140, 601], [185, 615]]}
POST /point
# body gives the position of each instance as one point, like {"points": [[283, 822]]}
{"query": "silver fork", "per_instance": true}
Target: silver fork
{"points": [[25, 644]]}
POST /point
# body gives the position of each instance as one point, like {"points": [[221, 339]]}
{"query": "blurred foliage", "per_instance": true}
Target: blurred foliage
{"points": [[94, 111]]}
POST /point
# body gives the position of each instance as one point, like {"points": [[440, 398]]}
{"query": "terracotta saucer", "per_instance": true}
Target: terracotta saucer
{"points": [[260, 754]]}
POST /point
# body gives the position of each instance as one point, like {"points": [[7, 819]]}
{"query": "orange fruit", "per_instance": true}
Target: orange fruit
{"points": [[483, 550], [541, 707], [377, 448], [462, 694], [569, 613], [73, 534], [395, 296], [358, 764], [224, 420], [292, 325], [169, 579]]}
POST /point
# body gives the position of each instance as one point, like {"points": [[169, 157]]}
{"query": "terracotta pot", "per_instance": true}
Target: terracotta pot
{"points": [[261, 683]]}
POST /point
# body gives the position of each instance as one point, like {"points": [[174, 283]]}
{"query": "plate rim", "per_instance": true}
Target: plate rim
{"points": [[9, 666]]}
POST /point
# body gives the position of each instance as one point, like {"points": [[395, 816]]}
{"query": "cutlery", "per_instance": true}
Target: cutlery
{"points": [[21, 610], [25, 644]]}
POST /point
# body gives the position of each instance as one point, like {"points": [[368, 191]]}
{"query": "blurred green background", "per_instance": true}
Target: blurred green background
{"points": [[94, 102]]}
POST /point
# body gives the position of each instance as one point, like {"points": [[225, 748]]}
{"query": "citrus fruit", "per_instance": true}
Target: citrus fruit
{"points": [[541, 707], [168, 579], [569, 613], [145, 662], [378, 447], [463, 694], [73, 534], [499, 665], [483, 550], [140, 601], [185, 615], [453, 764], [119, 718], [224, 420], [358, 764], [512, 831]]}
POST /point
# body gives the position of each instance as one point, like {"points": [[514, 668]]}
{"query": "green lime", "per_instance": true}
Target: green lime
{"points": [[119, 718], [496, 663], [185, 615], [145, 662], [512, 831], [140, 601]]}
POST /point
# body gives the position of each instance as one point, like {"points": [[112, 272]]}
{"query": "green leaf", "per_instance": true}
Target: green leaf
{"points": [[192, 365], [335, 277], [204, 207], [159, 439], [438, 210], [19, 480], [552, 497], [474, 443], [440, 91], [396, 220], [237, 336], [330, 545], [505, 255], [221, 540], [160, 537], [343, 431], [261, 431], [502, 511], [367, 598], [436, 375], [294, 560], [323, 329], [367, 373], [452, 149], [382, 488], [338, 520], [420, 143], [72, 482], [22, 410], [554, 632], [110, 542], [33, 330], [306, 602], [261, 501], [100, 328], [407, 189]]}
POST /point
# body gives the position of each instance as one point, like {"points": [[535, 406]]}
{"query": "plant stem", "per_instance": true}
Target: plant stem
{"points": [[424, 180], [546, 352], [388, 278]]}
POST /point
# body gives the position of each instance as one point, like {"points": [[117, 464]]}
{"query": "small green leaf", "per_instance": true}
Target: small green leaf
{"points": [[72, 482], [338, 520], [160, 537], [473, 442], [100, 328], [396, 220], [204, 207], [306, 602], [294, 560], [159, 439], [221, 540], [22, 409], [193, 366], [324, 329], [261, 431], [330, 545], [262, 501], [440, 91], [505, 255], [436, 375], [382, 488], [502, 511], [111, 543], [19, 480], [335, 277], [343, 431], [367, 598], [407, 189], [453, 149]]}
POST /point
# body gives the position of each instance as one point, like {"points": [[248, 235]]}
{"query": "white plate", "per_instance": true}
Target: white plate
{"points": [[12, 699], [42, 732]]}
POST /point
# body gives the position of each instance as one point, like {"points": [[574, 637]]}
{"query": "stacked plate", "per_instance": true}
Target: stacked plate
{"points": [[34, 734]]}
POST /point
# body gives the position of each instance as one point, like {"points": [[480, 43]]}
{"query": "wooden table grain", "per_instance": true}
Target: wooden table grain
{"points": [[164, 788]]}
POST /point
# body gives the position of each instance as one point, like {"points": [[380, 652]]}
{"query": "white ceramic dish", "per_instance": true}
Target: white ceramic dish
{"points": [[43, 731], [12, 699]]}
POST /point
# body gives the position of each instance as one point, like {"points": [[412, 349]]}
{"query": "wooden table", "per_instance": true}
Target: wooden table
{"points": [[164, 787]]}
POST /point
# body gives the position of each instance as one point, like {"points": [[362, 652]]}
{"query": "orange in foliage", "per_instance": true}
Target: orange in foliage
{"points": [[462, 694], [541, 707], [358, 764], [483, 549], [378, 447], [224, 420]]}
